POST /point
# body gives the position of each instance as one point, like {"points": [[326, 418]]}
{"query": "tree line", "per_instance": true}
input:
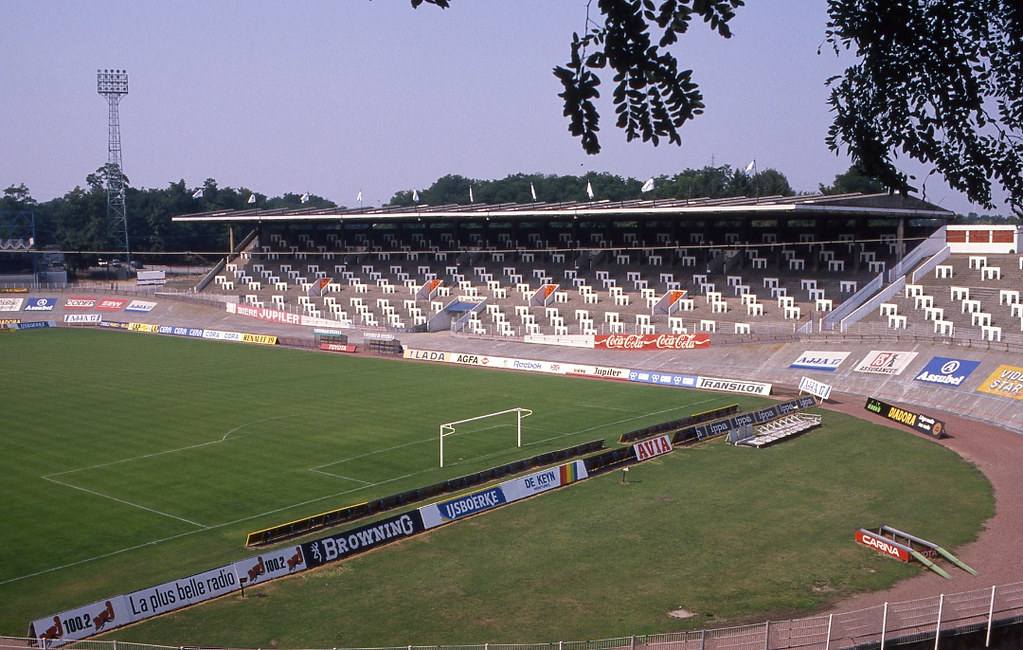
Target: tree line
{"points": [[77, 221]]}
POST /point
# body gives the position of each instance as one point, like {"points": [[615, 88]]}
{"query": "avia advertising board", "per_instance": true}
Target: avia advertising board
{"points": [[814, 387], [40, 304], [884, 362], [818, 360], [651, 341], [79, 302], [946, 372], [882, 545], [11, 304], [647, 449], [922, 423], [1005, 381]]}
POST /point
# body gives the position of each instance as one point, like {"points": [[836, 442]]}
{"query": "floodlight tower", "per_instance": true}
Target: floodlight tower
{"points": [[113, 84]]}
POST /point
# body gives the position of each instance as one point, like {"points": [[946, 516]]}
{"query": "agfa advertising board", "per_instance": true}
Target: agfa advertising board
{"points": [[885, 362]]}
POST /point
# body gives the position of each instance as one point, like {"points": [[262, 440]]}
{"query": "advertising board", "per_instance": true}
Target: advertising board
{"points": [[651, 341], [11, 304], [733, 386], [40, 304], [946, 372], [814, 387], [142, 306], [79, 302], [885, 362], [919, 421], [1005, 381], [820, 360], [882, 545]]}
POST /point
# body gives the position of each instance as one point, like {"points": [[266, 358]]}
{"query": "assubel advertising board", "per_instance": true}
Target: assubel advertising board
{"points": [[946, 372]]}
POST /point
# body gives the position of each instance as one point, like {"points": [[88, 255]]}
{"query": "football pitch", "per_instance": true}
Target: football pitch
{"points": [[132, 459]]}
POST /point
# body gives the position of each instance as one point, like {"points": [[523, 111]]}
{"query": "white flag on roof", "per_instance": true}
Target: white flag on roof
{"points": [[589, 190], [304, 198], [196, 194], [415, 196], [648, 186], [751, 168], [252, 198], [532, 190], [359, 198]]}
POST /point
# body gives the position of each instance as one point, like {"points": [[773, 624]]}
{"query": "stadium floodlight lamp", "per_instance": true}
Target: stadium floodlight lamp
{"points": [[112, 82]]}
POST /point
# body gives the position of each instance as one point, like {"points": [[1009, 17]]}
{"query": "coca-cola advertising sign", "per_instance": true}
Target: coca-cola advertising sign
{"points": [[651, 341]]}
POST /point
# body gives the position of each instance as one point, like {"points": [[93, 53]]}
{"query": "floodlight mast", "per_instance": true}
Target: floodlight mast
{"points": [[113, 84]]}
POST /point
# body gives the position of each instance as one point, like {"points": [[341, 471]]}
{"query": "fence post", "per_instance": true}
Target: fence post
{"points": [[937, 629], [990, 618], [884, 624], [827, 642], [767, 635], [632, 642]]}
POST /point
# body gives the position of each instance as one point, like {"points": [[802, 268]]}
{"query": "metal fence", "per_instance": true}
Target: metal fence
{"points": [[926, 620]]}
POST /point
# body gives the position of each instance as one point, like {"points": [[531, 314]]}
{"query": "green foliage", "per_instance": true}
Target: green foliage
{"points": [[940, 81], [225, 436], [711, 182], [853, 180]]}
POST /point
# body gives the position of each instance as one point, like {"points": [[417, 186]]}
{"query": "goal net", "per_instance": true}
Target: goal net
{"points": [[448, 428]]}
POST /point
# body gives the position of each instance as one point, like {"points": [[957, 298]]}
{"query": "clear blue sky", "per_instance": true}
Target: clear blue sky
{"points": [[335, 97]]}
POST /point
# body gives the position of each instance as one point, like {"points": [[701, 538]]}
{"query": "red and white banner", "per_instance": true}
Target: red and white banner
{"points": [[651, 448], [651, 341], [337, 347], [78, 302], [111, 304], [882, 545]]}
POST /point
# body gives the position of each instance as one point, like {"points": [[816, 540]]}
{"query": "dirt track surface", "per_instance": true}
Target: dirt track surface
{"points": [[996, 553]]}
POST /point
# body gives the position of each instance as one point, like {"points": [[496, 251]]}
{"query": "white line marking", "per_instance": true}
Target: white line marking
{"points": [[127, 503]]}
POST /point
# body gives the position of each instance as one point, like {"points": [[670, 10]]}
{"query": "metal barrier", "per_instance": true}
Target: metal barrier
{"points": [[981, 612]]}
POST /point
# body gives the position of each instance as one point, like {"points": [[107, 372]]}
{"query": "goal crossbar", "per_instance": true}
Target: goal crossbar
{"points": [[448, 428]]}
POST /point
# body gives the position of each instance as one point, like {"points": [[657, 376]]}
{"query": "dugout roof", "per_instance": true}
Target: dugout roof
{"points": [[807, 206]]}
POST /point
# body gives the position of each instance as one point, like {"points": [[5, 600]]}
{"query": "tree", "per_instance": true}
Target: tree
{"points": [[940, 81], [853, 180]]}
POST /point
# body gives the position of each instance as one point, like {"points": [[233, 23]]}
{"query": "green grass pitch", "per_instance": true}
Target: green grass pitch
{"points": [[131, 459]]}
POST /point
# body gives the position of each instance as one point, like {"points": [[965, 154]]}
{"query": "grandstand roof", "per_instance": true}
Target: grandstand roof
{"points": [[800, 206]]}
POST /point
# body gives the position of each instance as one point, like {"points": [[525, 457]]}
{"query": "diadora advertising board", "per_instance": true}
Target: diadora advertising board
{"points": [[651, 341], [1006, 381], [884, 362], [820, 360], [946, 372], [919, 421]]}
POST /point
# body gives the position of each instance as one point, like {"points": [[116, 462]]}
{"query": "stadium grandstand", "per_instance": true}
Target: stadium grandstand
{"points": [[735, 268]]}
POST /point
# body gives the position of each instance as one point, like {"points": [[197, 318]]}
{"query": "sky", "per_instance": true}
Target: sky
{"points": [[338, 97]]}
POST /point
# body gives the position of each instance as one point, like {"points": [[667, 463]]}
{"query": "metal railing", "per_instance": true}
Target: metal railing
{"points": [[981, 612]]}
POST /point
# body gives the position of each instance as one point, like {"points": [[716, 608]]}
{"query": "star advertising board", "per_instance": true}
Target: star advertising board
{"points": [[922, 423], [1005, 381], [946, 372], [884, 362]]}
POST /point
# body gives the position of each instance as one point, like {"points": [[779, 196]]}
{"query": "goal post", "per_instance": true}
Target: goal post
{"points": [[448, 428]]}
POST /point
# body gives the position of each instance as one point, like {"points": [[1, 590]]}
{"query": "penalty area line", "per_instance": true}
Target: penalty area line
{"points": [[126, 502]]}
